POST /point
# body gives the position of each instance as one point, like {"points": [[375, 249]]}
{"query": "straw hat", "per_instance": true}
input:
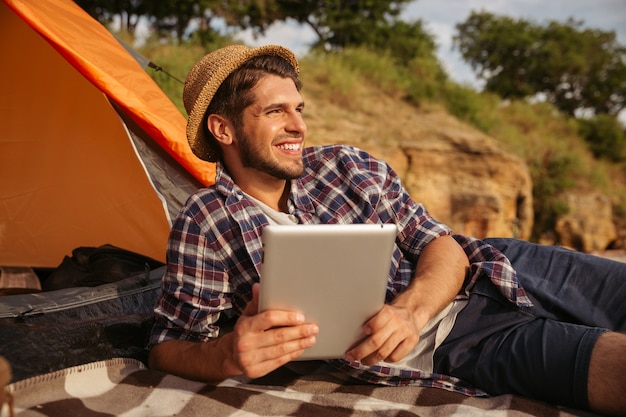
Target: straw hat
{"points": [[205, 78]]}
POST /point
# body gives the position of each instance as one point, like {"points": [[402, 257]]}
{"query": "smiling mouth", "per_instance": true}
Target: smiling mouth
{"points": [[289, 146]]}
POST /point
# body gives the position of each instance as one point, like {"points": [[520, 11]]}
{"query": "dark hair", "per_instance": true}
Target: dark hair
{"points": [[234, 94]]}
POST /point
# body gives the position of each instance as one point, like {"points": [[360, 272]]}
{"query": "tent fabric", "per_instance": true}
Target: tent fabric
{"points": [[94, 52], [77, 115], [174, 184]]}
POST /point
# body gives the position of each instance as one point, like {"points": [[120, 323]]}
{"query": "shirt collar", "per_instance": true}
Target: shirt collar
{"points": [[299, 200]]}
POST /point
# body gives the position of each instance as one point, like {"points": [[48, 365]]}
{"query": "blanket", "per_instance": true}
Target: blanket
{"points": [[125, 387]]}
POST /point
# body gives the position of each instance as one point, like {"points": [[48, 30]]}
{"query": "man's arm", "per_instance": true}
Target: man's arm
{"points": [[258, 344], [395, 330]]}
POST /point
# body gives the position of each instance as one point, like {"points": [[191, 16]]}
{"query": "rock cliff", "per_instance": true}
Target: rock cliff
{"points": [[461, 175], [588, 225]]}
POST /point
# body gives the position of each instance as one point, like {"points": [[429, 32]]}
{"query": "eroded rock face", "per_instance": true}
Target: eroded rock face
{"points": [[462, 176], [472, 186], [464, 180], [588, 226]]}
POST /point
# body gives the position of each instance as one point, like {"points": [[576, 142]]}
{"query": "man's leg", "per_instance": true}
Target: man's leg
{"points": [[569, 286], [502, 349], [562, 350], [607, 375]]}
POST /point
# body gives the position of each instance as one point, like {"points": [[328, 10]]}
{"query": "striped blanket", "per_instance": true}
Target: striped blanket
{"points": [[124, 387]]}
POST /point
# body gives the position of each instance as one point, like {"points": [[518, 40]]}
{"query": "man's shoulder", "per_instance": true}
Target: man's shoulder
{"points": [[201, 200], [206, 209], [204, 195]]}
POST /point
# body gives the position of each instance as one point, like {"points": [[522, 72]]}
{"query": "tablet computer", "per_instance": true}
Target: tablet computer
{"points": [[335, 275]]}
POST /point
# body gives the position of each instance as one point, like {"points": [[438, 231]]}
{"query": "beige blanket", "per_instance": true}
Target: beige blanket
{"points": [[124, 387]]}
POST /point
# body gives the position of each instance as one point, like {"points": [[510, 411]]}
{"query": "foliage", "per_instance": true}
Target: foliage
{"points": [[176, 16], [166, 17], [551, 176], [575, 68], [337, 81], [337, 23], [467, 104], [417, 82], [104, 11], [344, 75], [605, 136]]}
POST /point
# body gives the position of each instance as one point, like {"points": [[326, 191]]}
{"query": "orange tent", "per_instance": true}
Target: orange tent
{"points": [[91, 149]]}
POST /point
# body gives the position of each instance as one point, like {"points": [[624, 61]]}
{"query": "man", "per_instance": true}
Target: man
{"points": [[456, 316]]}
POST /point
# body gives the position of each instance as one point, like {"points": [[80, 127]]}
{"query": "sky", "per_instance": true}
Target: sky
{"points": [[441, 16]]}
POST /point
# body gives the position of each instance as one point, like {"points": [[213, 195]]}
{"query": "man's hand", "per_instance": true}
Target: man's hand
{"points": [[259, 343], [262, 342], [391, 334], [394, 331]]}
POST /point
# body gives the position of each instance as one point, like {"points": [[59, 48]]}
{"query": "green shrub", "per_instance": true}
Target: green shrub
{"points": [[340, 83], [605, 137], [477, 109], [552, 174], [377, 67]]}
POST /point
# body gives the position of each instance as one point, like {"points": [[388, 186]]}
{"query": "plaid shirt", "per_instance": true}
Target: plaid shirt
{"points": [[214, 250]]}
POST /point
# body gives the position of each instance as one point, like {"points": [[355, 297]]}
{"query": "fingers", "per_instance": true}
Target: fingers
{"points": [[387, 353], [391, 335], [272, 328], [259, 353], [261, 360], [267, 340]]}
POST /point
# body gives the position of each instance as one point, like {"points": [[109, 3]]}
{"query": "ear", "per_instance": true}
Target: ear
{"points": [[221, 128]]}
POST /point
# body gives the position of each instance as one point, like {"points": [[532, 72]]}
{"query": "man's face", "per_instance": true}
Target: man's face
{"points": [[272, 134]]}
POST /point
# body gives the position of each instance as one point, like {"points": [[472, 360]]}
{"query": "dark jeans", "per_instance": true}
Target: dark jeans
{"points": [[544, 351]]}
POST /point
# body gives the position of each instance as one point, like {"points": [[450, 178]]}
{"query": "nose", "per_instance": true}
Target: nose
{"points": [[295, 124]]}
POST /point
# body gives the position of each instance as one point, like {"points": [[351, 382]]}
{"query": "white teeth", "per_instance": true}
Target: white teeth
{"points": [[290, 146]]}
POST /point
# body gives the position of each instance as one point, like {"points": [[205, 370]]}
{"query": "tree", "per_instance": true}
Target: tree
{"points": [[340, 24], [104, 11], [573, 67], [166, 17], [337, 23], [174, 16]]}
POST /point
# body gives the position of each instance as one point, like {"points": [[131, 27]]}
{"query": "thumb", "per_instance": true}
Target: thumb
{"points": [[253, 305]]}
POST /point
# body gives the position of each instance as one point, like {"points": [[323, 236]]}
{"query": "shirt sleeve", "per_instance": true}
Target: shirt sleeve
{"points": [[194, 288]]}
